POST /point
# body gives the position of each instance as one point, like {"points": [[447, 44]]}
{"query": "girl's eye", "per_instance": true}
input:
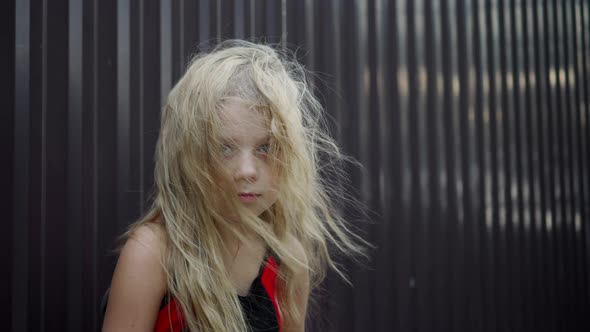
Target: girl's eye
{"points": [[226, 149], [264, 148]]}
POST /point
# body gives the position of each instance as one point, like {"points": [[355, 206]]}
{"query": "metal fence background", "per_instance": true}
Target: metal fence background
{"points": [[471, 118]]}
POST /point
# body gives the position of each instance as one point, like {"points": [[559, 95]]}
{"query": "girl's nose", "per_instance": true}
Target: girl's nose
{"points": [[246, 168]]}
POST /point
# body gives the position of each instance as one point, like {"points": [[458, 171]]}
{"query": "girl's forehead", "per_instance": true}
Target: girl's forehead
{"points": [[238, 120]]}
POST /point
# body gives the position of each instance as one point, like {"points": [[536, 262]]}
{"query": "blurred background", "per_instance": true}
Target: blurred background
{"points": [[470, 118]]}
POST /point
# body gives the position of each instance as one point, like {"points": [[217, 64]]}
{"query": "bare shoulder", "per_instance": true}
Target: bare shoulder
{"points": [[139, 282], [144, 248], [151, 236]]}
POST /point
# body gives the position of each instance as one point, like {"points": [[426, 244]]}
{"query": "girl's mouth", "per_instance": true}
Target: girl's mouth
{"points": [[248, 197]]}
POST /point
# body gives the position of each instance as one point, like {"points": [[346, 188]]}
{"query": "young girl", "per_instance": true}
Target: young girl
{"points": [[242, 225]]}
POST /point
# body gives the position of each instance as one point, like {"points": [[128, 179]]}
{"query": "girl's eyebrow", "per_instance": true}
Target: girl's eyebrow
{"points": [[265, 138], [232, 139]]}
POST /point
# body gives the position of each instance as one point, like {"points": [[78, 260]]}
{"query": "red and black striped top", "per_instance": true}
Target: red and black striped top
{"points": [[260, 305]]}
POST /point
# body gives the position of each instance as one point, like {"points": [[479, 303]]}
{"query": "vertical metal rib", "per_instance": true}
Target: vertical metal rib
{"points": [[383, 88], [496, 215], [218, 21], [455, 222], [486, 231], [561, 168], [43, 190], [470, 166], [582, 117], [310, 32], [252, 22], [504, 160], [510, 144], [363, 87], [422, 222], [75, 258], [204, 21], [337, 65], [406, 321], [95, 162], [575, 158], [441, 255], [527, 131], [182, 38], [533, 116], [166, 48], [239, 22], [123, 108], [549, 156], [21, 166], [572, 272], [542, 215], [436, 167], [414, 199], [283, 34], [141, 109]]}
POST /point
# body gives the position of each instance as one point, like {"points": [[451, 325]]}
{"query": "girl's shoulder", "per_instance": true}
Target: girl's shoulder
{"points": [[147, 241], [151, 234], [139, 281]]}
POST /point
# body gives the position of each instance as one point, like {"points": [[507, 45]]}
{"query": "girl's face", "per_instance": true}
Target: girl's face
{"points": [[246, 170]]}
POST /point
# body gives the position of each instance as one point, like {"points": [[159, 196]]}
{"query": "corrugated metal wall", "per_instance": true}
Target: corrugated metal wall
{"points": [[471, 118]]}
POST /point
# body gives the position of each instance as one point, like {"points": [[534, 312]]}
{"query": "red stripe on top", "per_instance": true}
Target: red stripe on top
{"points": [[269, 276], [170, 318]]}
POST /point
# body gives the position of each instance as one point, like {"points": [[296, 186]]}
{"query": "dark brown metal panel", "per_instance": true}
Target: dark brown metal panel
{"points": [[384, 305], [361, 90], [517, 154], [470, 118], [420, 161], [440, 202], [88, 234], [568, 129], [7, 135], [527, 130], [585, 36], [105, 144], [575, 194], [166, 51], [150, 105], [55, 138], [581, 19], [534, 79], [453, 191]]}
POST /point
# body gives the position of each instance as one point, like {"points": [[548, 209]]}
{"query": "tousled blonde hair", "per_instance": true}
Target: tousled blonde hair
{"points": [[186, 159]]}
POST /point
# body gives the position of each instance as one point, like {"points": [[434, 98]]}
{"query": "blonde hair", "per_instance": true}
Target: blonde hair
{"points": [[186, 160]]}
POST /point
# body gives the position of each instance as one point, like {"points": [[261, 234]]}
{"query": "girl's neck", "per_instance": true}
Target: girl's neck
{"points": [[251, 244], [242, 260]]}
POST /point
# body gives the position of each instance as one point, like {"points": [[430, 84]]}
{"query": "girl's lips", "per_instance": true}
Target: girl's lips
{"points": [[248, 197]]}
